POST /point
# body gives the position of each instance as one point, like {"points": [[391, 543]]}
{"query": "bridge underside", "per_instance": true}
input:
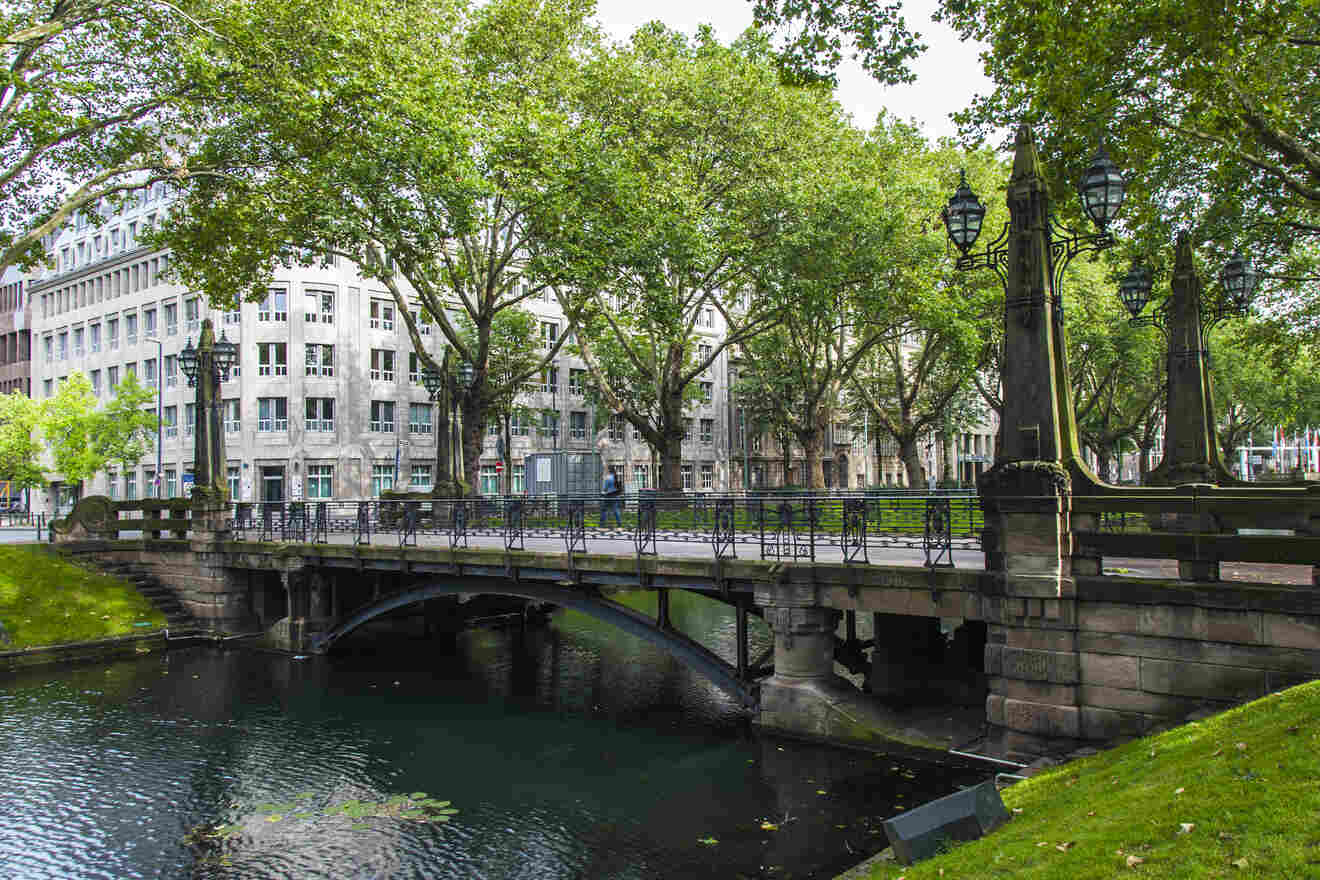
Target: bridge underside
{"points": [[658, 632]]}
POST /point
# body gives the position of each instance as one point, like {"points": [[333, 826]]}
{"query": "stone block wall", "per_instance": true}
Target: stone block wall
{"points": [[1149, 653]]}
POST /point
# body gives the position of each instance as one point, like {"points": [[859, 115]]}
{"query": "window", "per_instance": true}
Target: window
{"points": [[319, 360], [272, 414], [382, 416], [549, 333], [112, 333], [232, 476], [130, 329], [687, 429], [419, 418], [519, 423], [130, 369], [616, 427], [577, 425], [707, 392], [707, 430], [171, 371], [707, 317], [64, 346], [419, 477], [382, 365], [111, 378], [130, 487], [170, 419], [192, 313], [686, 472], [275, 307], [95, 376], [48, 388], [549, 428], [78, 342], [171, 319], [707, 476], [382, 315], [189, 419], [234, 317], [272, 359], [490, 481], [414, 368], [320, 480], [112, 481], [171, 482], [50, 349], [233, 415], [550, 380], [94, 337], [382, 478], [703, 352], [519, 479], [149, 322], [320, 306], [640, 476], [422, 321], [320, 414]]}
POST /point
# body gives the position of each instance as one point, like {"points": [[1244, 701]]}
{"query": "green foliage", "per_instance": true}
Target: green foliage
{"points": [[1211, 109], [124, 429], [20, 451], [1260, 380], [69, 425], [814, 35]]}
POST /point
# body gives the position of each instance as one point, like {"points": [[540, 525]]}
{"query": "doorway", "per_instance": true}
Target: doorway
{"points": [[272, 482]]}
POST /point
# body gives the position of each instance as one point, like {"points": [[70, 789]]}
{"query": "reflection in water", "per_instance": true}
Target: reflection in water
{"points": [[571, 750]]}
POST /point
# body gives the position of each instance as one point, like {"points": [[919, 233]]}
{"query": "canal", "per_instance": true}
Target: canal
{"points": [[570, 751]]}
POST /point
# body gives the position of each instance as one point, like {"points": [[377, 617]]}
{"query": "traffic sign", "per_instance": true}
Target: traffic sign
{"points": [[499, 467]]}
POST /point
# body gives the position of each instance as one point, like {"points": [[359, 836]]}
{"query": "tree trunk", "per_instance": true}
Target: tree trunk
{"points": [[810, 439], [948, 470], [671, 461], [470, 430], [911, 458], [1102, 461]]}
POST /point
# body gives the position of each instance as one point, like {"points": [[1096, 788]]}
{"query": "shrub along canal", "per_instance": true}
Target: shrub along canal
{"points": [[570, 751]]}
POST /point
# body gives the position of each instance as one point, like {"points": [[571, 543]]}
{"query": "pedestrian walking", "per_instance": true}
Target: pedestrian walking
{"points": [[610, 490]]}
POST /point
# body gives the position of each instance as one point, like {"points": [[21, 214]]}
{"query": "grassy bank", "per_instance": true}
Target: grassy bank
{"points": [[1236, 795], [47, 600]]}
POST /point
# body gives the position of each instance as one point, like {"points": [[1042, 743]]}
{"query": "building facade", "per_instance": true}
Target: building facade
{"points": [[327, 402]]}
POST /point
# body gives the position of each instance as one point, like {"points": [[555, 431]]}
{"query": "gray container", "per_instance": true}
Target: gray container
{"points": [[564, 473]]}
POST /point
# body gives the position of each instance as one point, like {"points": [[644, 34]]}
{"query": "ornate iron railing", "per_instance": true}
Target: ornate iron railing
{"points": [[781, 526]]}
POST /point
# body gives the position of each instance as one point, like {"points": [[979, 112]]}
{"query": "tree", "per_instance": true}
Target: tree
{"points": [[20, 452], [921, 378], [1212, 110], [666, 208], [124, 430], [408, 140], [514, 355], [68, 424], [814, 36], [1260, 380], [823, 270]]}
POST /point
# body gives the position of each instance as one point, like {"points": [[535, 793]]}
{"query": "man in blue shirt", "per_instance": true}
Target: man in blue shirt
{"points": [[612, 503]]}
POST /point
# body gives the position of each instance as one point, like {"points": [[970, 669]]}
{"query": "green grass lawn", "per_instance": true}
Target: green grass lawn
{"points": [[1236, 795], [48, 600]]}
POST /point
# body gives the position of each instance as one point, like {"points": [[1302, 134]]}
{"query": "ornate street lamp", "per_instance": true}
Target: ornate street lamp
{"points": [[963, 215], [1239, 278], [461, 381], [1102, 189], [1134, 289], [224, 355], [188, 363]]}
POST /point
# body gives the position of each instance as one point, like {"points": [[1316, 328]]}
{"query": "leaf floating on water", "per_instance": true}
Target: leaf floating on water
{"points": [[1186, 827], [1179, 790], [708, 841], [769, 826], [1133, 861], [1240, 863]]}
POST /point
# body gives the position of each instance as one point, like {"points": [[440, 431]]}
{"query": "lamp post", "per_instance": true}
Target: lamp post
{"points": [[160, 405], [1030, 256], [205, 367], [1191, 451]]}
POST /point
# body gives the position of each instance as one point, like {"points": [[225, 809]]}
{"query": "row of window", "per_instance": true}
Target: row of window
{"points": [[57, 345]]}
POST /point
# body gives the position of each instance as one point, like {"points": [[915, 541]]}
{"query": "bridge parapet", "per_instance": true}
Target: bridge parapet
{"points": [[97, 516]]}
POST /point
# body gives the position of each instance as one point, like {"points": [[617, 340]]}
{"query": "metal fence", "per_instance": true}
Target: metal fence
{"points": [[772, 526]]}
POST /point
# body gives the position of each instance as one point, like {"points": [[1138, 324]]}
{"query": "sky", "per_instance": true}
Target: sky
{"points": [[948, 73]]}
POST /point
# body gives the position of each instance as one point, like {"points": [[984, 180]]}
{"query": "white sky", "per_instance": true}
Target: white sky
{"points": [[948, 72]]}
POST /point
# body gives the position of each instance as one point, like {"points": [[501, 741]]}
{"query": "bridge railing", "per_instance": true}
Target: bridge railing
{"points": [[1193, 526], [773, 526]]}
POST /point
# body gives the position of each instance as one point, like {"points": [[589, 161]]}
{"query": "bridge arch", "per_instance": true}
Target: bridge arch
{"points": [[684, 649]]}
